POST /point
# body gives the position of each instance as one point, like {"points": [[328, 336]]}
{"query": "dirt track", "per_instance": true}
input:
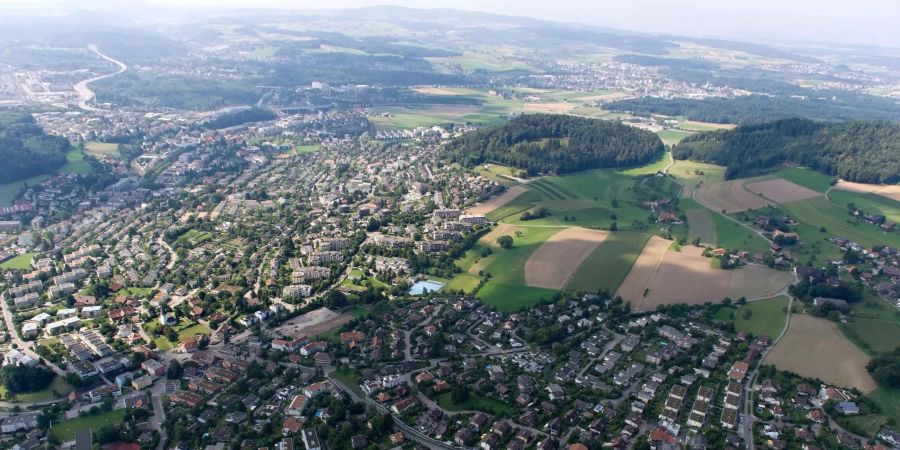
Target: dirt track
{"points": [[554, 262], [496, 201], [781, 191], [816, 348]]}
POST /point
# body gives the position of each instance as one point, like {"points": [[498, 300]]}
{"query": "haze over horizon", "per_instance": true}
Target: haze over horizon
{"points": [[866, 22]]}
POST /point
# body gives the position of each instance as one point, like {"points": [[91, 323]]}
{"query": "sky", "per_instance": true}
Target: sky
{"points": [[875, 22]]}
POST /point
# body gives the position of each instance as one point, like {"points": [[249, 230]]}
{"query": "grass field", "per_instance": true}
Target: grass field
{"points": [[816, 348], [506, 289], [870, 203], [693, 125], [349, 378], [162, 343], [58, 384], [693, 174], [888, 401], [609, 263], [193, 330], [8, 191], [75, 163], [766, 317], [519, 204], [303, 149], [732, 235], [100, 149], [65, 431], [874, 325], [21, 262], [811, 179], [476, 403], [471, 61], [672, 137], [658, 165], [819, 212], [700, 223], [465, 282]]}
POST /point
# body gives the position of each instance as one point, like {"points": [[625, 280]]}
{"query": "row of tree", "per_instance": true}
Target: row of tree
{"points": [[863, 151], [541, 143]]}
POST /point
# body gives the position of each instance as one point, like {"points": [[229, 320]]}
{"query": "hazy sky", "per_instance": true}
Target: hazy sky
{"points": [[858, 21]]}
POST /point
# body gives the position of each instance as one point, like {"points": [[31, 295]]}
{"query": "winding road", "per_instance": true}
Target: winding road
{"points": [[85, 94]]}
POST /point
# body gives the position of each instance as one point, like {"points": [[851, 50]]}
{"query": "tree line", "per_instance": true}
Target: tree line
{"points": [[26, 150], [863, 151], [541, 143]]}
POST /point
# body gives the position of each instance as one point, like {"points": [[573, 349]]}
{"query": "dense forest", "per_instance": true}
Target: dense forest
{"points": [[241, 117], [753, 109], [542, 143], [25, 149], [863, 151]]}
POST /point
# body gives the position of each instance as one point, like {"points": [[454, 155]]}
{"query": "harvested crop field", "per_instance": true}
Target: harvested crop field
{"points": [[554, 262], [729, 196], [701, 224], [557, 107], [644, 269], [663, 276], [815, 348], [497, 201], [431, 90], [891, 191], [313, 323], [781, 190]]}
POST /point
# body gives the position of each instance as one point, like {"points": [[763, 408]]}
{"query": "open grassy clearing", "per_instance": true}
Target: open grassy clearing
{"points": [[498, 173], [350, 378], [465, 282], [888, 400], [693, 125], [303, 149], [471, 62], [815, 348], [766, 317], [193, 330], [75, 163], [21, 262], [65, 431], [694, 174], [101, 149], [672, 137], [658, 165], [609, 263]]}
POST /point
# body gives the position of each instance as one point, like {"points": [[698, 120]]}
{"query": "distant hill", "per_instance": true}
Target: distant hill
{"points": [[26, 150], [240, 117], [862, 151], [541, 143]]}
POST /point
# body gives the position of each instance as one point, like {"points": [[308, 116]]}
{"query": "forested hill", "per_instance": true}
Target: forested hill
{"points": [[863, 151], [25, 150], [540, 143]]}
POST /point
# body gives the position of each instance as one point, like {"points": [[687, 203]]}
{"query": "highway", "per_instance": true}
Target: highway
{"points": [[85, 94]]}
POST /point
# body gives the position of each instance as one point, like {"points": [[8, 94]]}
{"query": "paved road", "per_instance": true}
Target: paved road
{"points": [[85, 94], [24, 347]]}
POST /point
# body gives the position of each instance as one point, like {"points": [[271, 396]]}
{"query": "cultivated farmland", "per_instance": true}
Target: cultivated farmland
{"points": [[815, 348], [891, 192], [554, 262], [496, 201], [781, 191], [729, 196]]}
